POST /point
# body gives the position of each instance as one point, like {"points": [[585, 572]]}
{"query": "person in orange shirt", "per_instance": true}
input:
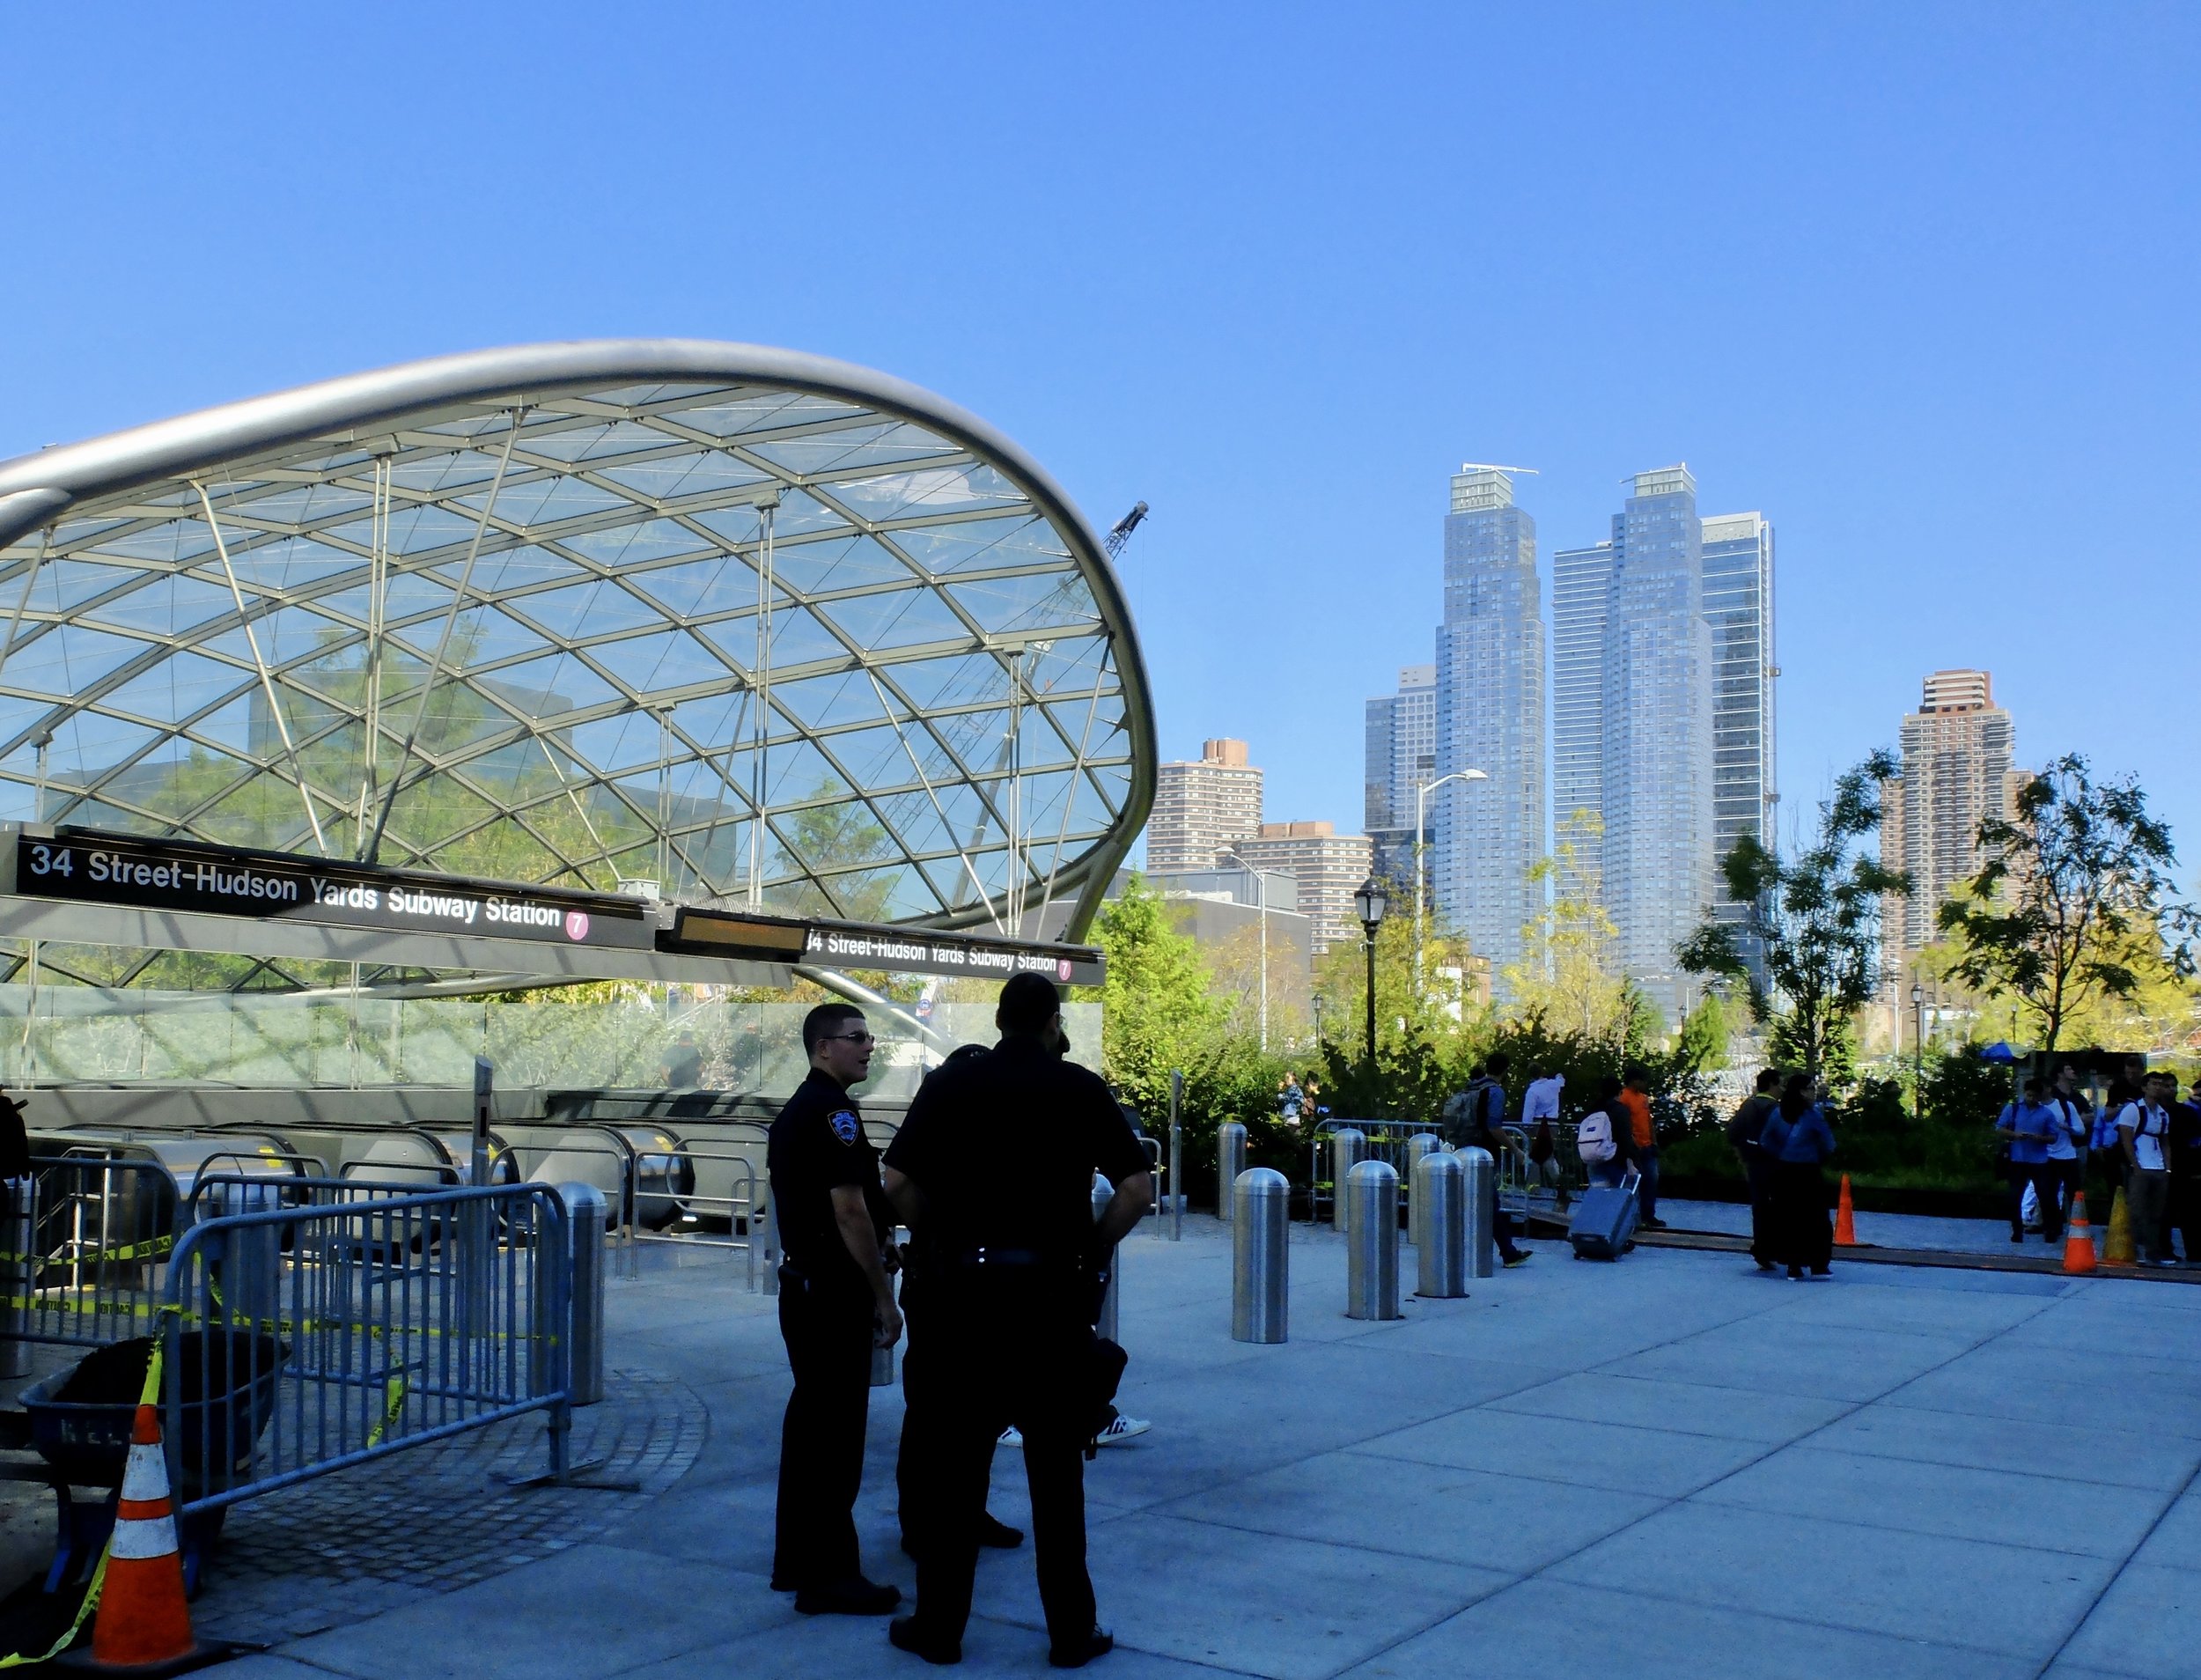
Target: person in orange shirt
{"points": [[1635, 1102]]}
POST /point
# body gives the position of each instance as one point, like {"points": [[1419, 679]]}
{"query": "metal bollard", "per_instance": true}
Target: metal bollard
{"points": [[587, 1211], [18, 1276], [1176, 1154], [1416, 1147], [1347, 1149], [1479, 1201], [1261, 1208], [1230, 1161], [1372, 1241], [1102, 1192], [1439, 1211]]}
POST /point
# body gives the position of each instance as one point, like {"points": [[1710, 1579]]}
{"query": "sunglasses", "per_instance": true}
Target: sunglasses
{"points": [[852, 1038]]}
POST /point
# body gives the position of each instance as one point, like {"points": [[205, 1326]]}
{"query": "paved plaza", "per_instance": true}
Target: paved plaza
{"points": [[1668, 1467]]}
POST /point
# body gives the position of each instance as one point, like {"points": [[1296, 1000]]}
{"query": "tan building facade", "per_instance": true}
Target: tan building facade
{"points": [[1200, 809], [1328, 868], [1957, 748]]}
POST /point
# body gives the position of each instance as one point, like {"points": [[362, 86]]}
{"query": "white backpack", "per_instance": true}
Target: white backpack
{"points": [[1594, 1139]]}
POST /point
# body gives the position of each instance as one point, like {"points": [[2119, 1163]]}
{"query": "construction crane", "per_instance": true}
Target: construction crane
{"points": [[1121, 531]]}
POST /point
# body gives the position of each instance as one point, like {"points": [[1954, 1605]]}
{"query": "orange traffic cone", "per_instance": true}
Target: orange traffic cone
{"points": [[2079, 1255], [143, 1626], [1844, 1218]]}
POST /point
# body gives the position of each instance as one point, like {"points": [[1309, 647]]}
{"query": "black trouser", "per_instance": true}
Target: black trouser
{"points": [[828, 1336], [2185, 1213], [1759, 1169], [1796, 1206], [2045, 1176], [994, 1355]]}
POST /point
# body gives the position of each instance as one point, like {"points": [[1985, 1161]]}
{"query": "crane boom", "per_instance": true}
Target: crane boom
{"points": [[1121, 531]]}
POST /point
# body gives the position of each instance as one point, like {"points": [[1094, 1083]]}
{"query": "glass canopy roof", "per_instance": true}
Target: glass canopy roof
{"points": [[508, 614]]}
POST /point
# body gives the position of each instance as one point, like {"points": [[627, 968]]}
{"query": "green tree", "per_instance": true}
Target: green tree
{"points": [[1568, 975], [1815, 917], [2073, 904], [1158, 1012]]}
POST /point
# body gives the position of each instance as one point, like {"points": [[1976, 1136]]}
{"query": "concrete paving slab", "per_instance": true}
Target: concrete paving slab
{"points": [[2144, 1624], [2062, 1671], [1546, 1627], [2092, 1454], [1291, 1609], [2012, 1600], [262, 1665], [1861, 1301], [840, 1646], [1821, 1360], [2177, 1538], [554, 1619], [1614, 1457], [1677, 1408], [1463, 1516], [1957, 1500], [1980, 1388]]}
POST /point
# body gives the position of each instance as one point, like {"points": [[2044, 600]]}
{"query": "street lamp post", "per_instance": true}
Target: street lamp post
{"points": [[1421, 817], [1261, 891], [1917, 1052], [1369, 903]]}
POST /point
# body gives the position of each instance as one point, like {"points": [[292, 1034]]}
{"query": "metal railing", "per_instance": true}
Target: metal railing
{"points": [[1524, 1187], [92, 1241], [302, 1340], [1387, 1141]]}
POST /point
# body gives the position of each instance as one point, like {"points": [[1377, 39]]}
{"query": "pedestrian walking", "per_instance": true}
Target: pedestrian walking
{"points": [[2185, 1173], [1471, 1121], [1603, 1139], [2075, 1114], [1289, 1099], [2146, 1129], [2029, 1127], [995, 1163], [835, 1306], [1635, 1101], [1539, 1115], [1797, 1141], [1743, 1134]]}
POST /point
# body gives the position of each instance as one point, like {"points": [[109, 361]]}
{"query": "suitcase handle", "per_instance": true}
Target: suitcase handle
{"points": [[1630, 1179]]}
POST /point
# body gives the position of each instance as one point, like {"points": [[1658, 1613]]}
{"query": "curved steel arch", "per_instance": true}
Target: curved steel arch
{"points": [[557, 503]]}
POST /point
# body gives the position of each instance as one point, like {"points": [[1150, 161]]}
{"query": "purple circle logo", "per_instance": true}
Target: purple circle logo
{"points": [[576, 924]]}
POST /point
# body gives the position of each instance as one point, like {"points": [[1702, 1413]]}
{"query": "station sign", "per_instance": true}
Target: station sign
{"points": [[895, 950], [145, 874]]}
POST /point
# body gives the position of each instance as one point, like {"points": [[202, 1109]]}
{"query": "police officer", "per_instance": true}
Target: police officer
{"points": [[835, 1305], [994, 1166]]}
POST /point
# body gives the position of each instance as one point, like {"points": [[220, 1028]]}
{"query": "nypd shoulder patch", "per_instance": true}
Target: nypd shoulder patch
{"points": [[845, 1126]]}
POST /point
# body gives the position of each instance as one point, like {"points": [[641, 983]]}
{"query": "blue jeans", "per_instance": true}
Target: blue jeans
{"points": [[1647, 1193]]}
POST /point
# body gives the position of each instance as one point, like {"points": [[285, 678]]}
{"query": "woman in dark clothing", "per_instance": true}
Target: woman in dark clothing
{"points": [[1796, 1139]]}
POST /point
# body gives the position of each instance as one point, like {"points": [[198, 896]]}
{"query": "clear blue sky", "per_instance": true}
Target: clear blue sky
{"points": [[1920, 283]]}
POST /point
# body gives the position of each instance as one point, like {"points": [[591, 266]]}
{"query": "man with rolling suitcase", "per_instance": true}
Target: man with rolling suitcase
{"points": [[1605, 1221]]}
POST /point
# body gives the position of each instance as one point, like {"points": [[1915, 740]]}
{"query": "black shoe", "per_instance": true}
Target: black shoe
{"points": [[2017, 1236], [1098, 1643], [992, 1531], [781, 1584], [1651, 1225], [854, 1596], [904, 1635]]}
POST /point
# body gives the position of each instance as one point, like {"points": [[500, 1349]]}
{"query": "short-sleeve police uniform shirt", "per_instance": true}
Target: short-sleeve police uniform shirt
{"points": [[1004, 1147], [818, 1145]]}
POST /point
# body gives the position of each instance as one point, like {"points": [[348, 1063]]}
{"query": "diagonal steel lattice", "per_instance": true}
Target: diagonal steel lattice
{"points": [[506, 615]]}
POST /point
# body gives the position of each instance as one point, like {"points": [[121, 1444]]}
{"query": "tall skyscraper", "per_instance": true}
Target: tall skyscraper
{"points": [[1738, 551], [1957, 748], [1401, 756], [1658, 767], [1200, 809], [1488, 835], [1581, 595], [1328, 868]]}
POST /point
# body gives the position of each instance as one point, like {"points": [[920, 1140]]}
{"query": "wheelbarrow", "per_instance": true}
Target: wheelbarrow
{"points": [[81, 1421]]}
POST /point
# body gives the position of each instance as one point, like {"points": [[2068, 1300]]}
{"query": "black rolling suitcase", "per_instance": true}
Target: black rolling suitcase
{"points": [[1605, 1219]]}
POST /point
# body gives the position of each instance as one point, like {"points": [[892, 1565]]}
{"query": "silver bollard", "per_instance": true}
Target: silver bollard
{"points": [[1176, 1154], [1230, 1161], [1372, 1241], [18, 1276], [1478, 1200], [1261, 1209], [1439, 1211], [1416, 1147], [1103, 1192], [587, 1212], [1348, 1149]]}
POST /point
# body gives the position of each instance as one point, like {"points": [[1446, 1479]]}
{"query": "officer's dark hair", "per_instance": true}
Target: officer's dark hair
{"points": [[1499, 1063], [1769, 1079], [822, 1022], [1028, 1002]]}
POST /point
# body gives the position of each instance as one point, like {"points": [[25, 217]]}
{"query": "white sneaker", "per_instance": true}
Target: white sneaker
{"points": [[1011, 1437], [1122, 1429]]}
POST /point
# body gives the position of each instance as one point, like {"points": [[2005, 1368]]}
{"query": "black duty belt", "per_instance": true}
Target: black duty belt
{"points": [[1003, 1259]]}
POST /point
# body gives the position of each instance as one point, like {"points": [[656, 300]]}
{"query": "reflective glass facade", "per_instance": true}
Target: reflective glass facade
{"points": [[1737, 568]]}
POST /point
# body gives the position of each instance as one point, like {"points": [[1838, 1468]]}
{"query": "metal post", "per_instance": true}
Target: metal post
{"points": [[1370, 940], [1260, 1255], [1176, 1154], [1439, 1204], [1416, 1147], [18, 1275], [1372, 1241], [1103, 1192], [587, 1211], [1347, 1149], [1478, 1199], [1230, 1163], [477, 1227]]}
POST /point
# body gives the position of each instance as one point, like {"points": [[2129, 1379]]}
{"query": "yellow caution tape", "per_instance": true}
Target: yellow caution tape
{"points": [[396, 1389], [152, 1248]]}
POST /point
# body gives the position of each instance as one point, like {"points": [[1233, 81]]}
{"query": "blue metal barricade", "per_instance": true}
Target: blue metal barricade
{"points": [[1387, 1141], [305, 1338]]}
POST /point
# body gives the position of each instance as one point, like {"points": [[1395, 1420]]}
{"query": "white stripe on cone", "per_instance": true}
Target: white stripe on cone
{"points": [[146, 1475], [144, 1537]]}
